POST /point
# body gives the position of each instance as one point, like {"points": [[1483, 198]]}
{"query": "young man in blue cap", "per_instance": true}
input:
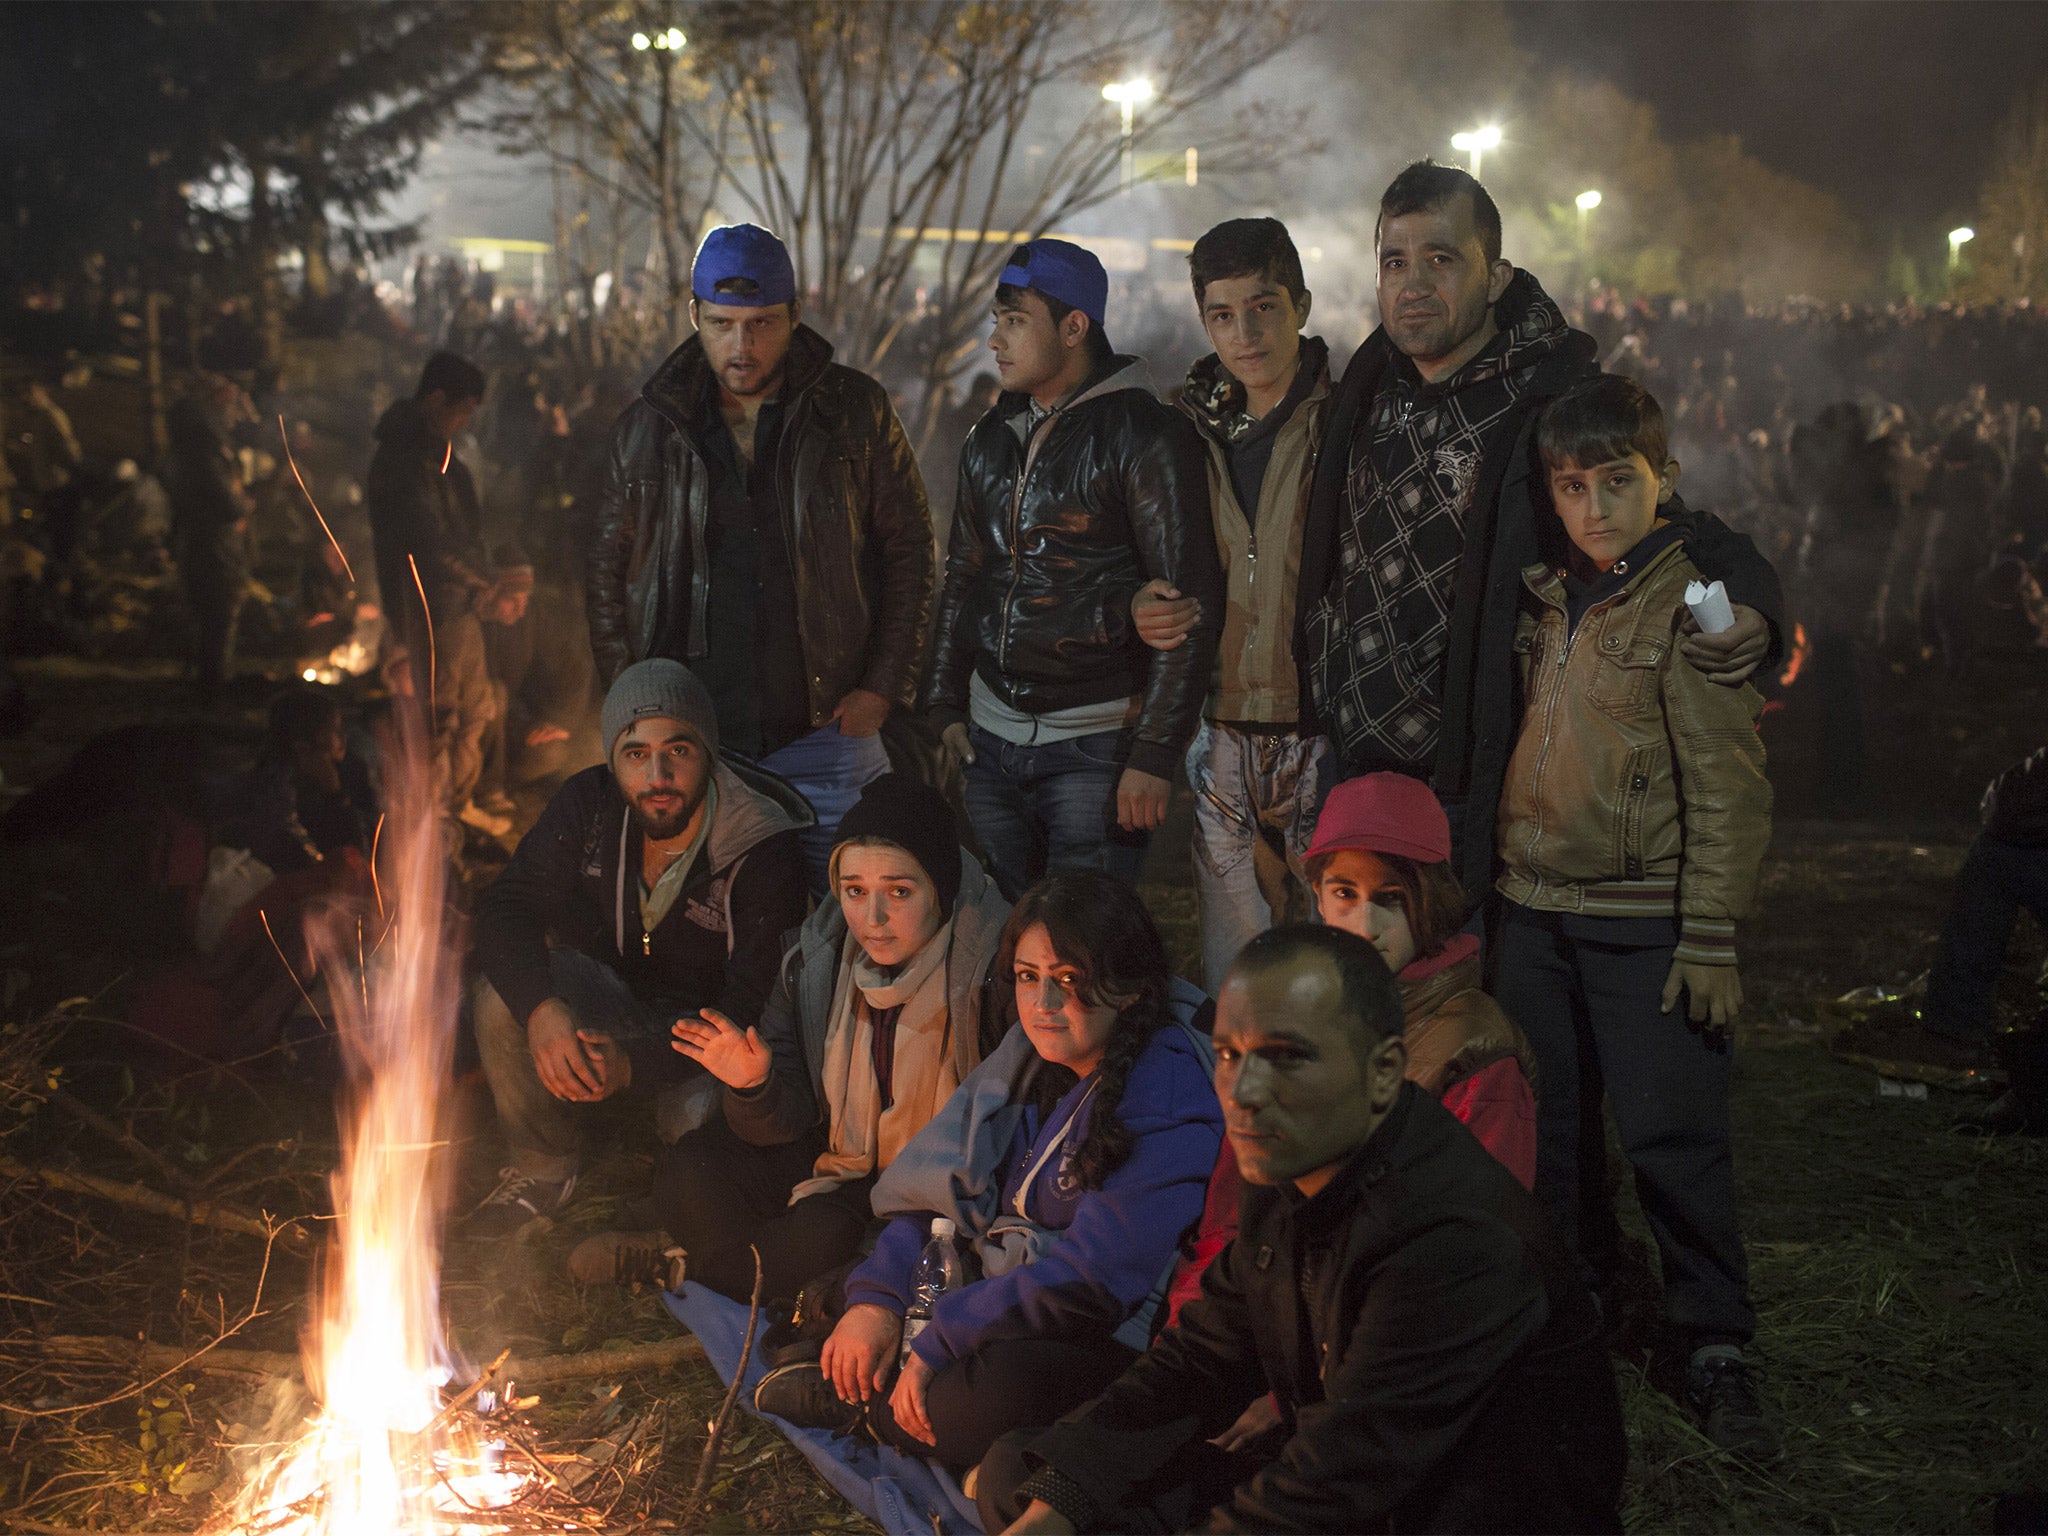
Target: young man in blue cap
{"points": [[765, 524], [1076, 489]]}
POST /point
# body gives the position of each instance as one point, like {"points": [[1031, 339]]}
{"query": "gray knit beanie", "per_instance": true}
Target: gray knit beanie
{"points": [[658, 686]]}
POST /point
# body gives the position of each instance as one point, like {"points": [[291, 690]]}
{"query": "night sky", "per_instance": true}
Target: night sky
{"points": [[1889, 106]]}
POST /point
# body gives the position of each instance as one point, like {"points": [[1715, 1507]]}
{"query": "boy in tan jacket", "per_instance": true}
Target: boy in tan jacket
{"points": [[1633, 821]]}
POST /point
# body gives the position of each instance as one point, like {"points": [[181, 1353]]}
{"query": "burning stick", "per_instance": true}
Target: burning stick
{"points": [[286, 436], [421, 588]]}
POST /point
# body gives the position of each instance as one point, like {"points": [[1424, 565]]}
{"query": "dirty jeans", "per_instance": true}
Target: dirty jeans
{"points": [[829, 770], [1256, 799], [544, 1134], [465, 703]]}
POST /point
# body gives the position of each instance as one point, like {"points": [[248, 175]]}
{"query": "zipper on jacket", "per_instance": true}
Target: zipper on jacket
{"points": [[1016, 516]]}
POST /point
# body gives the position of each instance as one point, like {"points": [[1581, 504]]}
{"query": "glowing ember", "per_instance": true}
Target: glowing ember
{"points": [[380, 1458], [1797, 664]]}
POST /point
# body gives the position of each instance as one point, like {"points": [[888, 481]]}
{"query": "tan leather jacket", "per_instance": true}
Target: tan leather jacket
{"points": [[1637, 786]]}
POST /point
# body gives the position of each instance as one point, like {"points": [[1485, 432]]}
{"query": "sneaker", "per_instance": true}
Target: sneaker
{"points": [[799, 1394], [519, 1200], [1723, 1397], [628, 1258], [475, 816]]}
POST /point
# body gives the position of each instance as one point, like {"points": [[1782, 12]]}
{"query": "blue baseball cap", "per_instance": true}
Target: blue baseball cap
{"points": [[1062, 270], [743, 250]]}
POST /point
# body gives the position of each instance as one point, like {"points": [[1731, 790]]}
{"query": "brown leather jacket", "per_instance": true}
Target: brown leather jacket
{"points": [[1453, 1029], [1637, 787], [859, 532]]}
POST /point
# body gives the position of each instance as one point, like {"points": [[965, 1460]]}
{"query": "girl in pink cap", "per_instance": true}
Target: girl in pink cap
{"points": [[1380, 866]]}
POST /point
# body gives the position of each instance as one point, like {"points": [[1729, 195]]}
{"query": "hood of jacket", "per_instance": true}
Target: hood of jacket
{"points": [[680, 386], [1534, 338], [1216, 400], [1122, 372], [753, 805]]}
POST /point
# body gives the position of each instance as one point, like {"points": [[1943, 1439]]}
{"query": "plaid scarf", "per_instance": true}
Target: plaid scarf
{"points": [[1381, 635]]}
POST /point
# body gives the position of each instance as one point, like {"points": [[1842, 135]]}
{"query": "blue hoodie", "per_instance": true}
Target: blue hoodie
{"points": [[1113, 1244]]}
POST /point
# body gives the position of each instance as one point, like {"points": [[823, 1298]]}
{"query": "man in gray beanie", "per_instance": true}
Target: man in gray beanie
{"points": [[654, 885]]}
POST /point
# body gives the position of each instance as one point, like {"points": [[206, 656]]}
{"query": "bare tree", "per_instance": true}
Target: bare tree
{"points": [[610, 97], [887, 143], [2006, 261]]}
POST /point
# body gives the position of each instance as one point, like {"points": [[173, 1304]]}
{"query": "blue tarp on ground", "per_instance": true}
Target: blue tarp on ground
{"points": [[903, 1496]]}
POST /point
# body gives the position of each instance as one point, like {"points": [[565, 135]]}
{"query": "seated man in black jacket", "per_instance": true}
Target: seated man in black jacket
{"points": [[652, 886], [1436, 1363]]}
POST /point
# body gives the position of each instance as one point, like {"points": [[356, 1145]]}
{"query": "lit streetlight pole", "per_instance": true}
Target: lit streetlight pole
{"points": [[1957, 239], [1128, 96], [1587, 201], [1477, 142]]}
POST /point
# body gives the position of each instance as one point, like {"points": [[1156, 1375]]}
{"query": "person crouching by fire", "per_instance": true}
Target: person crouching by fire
{"points": [[654, 885]]}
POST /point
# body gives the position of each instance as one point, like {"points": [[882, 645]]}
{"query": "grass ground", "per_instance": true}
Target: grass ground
{"points": [[1900, 1270]]}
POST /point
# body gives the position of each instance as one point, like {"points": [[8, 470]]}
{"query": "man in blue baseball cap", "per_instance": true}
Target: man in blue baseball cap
{"points": [[764, 523], [1076, 489]]}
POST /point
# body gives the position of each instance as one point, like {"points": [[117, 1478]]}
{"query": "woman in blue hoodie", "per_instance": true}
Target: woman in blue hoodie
{"points": [[1072, 1161]]}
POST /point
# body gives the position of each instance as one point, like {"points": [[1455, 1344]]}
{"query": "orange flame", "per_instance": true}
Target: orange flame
{"points": [[1800, 651], [381, 1455]]}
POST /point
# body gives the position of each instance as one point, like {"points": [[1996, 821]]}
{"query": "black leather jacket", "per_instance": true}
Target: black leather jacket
{"points": [[1049, 544], [860, 535]]}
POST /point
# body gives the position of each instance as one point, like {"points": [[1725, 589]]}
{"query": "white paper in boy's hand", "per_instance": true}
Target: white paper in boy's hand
{"points": [[1709, 604]]}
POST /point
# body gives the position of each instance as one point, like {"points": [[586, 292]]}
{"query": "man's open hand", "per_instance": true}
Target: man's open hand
{"points": [[861, 713], [1731, 656]]}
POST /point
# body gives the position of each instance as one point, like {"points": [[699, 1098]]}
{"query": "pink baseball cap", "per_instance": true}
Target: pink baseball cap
{"points": [[1384, 813]]}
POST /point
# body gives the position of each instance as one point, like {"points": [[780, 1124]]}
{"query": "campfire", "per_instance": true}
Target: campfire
{"points": [[386, 1452]]}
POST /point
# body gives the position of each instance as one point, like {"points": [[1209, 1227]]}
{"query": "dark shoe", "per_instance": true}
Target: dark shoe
{"points": [[628, 1258], [1723, 1397], [517, 1202], [800, 1395]]}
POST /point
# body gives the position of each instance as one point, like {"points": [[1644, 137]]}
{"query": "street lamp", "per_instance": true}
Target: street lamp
{"points": [[1587, 201], [1957, 239], [1128, 95], [1476, 142]]}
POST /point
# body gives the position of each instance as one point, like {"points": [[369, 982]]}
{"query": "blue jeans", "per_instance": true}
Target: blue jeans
{"points": [[829, 770], [1996, 880], [1038, 809], [1256, 801]]}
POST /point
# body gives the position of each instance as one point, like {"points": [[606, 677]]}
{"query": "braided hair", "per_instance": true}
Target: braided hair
{"points": [[1097, 925]]}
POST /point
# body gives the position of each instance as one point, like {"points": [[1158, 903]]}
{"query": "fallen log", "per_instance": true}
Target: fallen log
{"points": [[270, 1363], [201, 1213]]}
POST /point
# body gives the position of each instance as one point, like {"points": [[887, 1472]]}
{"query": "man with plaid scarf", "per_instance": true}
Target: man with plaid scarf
{"points": [[1423, 514]]}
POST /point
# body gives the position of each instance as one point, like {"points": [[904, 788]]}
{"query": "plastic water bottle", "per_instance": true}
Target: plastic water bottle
{"points": [[938, 1271]]}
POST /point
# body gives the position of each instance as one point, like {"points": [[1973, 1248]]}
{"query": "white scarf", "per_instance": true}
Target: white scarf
{"points": [[864, 1137]]}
